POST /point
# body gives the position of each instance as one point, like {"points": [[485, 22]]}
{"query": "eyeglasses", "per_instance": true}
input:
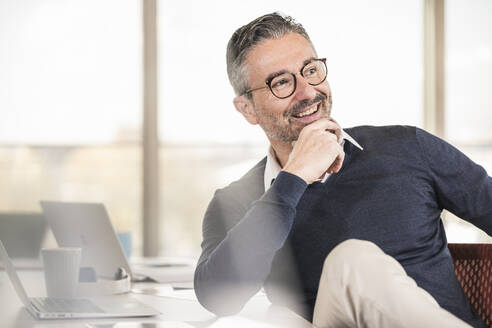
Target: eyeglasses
{"points": [[284, 85]]}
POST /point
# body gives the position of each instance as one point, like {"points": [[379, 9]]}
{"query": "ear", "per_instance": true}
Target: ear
{"points": [[245, 106]]}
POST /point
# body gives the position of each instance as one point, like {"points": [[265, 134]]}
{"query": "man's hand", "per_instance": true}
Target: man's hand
{"points": [[316, 151]]}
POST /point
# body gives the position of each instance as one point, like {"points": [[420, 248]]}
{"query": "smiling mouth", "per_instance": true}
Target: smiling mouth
{"points": [[309, 111]]}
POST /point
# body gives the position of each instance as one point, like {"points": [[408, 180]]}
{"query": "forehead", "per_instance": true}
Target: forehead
{"points": [[287, 53]]}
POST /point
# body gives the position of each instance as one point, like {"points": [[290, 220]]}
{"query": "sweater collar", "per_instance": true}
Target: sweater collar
{"points": [[273, 168]]}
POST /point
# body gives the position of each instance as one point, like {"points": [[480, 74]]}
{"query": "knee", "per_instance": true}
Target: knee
{"points": [[352, 249], [352, 254]]}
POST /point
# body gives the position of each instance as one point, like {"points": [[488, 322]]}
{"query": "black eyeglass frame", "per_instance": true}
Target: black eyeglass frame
{"points": [[269, 81]]}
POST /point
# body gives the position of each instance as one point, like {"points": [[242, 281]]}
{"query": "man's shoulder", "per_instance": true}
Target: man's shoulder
{"points": [[249, 187], [370, 131], [388, 136], [256, 171]]}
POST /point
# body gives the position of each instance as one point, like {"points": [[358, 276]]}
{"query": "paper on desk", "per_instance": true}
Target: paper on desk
{"points": [[240, 322], [143, 324], [165, 270], [166, 291], [162, 261]]}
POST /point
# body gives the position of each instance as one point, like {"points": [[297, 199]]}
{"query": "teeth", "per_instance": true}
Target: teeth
{"points": [[308, 112]]}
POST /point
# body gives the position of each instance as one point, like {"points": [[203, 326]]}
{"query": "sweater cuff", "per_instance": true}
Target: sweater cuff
{"points": [[288, 188]]}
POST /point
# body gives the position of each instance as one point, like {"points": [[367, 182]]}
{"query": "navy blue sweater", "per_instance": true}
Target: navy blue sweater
{"points": [[391, 193]]}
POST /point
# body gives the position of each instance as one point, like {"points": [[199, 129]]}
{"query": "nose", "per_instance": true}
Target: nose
{"points": [[304, 90]]}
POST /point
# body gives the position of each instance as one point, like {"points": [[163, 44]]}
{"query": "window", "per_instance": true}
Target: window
{"points": [[374, 57], [70, 104], [468, 99]]}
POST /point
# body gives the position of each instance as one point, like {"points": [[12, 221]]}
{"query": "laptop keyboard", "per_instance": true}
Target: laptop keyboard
{"points": [[65, 305]]}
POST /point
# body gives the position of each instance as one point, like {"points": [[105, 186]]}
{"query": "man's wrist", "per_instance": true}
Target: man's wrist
{"points": [[297, 173], [289, 187]]}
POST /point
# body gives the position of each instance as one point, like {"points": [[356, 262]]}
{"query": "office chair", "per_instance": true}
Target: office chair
{"points": [[473, 267]]}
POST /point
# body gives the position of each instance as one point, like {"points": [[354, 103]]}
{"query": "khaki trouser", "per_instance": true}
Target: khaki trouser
{"points": [[361, 286]]}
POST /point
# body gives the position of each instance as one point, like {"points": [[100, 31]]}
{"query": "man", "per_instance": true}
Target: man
{"points": [[342, 226]]}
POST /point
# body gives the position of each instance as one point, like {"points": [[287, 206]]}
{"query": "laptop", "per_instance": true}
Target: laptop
{"points": [[87, 225], [56, 308], [25, 251]]}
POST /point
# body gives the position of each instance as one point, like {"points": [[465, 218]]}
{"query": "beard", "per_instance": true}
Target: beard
{"points": [[280, 126]]}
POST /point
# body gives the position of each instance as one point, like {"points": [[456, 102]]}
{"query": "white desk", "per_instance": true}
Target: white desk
{"points": [[180, 307]]}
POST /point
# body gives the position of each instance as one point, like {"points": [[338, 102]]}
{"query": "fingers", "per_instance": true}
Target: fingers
{"points": [[337, 130], [328, 130], [322, 124], [316, 151], [336, 166], [325, 124]]}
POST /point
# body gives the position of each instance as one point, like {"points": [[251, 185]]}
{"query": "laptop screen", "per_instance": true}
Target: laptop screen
{"points": [[14, 278], [87, 225]]}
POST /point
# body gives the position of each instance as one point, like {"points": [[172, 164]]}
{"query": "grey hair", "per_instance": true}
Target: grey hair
{"points": [[245, 38]]}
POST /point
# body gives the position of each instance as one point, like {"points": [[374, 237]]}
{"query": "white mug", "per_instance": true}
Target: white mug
{"points": [[61, 271]]}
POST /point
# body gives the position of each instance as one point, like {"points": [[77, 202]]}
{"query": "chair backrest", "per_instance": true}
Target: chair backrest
{"points": [[473, 267]]}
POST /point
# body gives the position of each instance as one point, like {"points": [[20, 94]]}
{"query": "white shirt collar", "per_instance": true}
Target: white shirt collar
{"points": [[272, 167]]}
